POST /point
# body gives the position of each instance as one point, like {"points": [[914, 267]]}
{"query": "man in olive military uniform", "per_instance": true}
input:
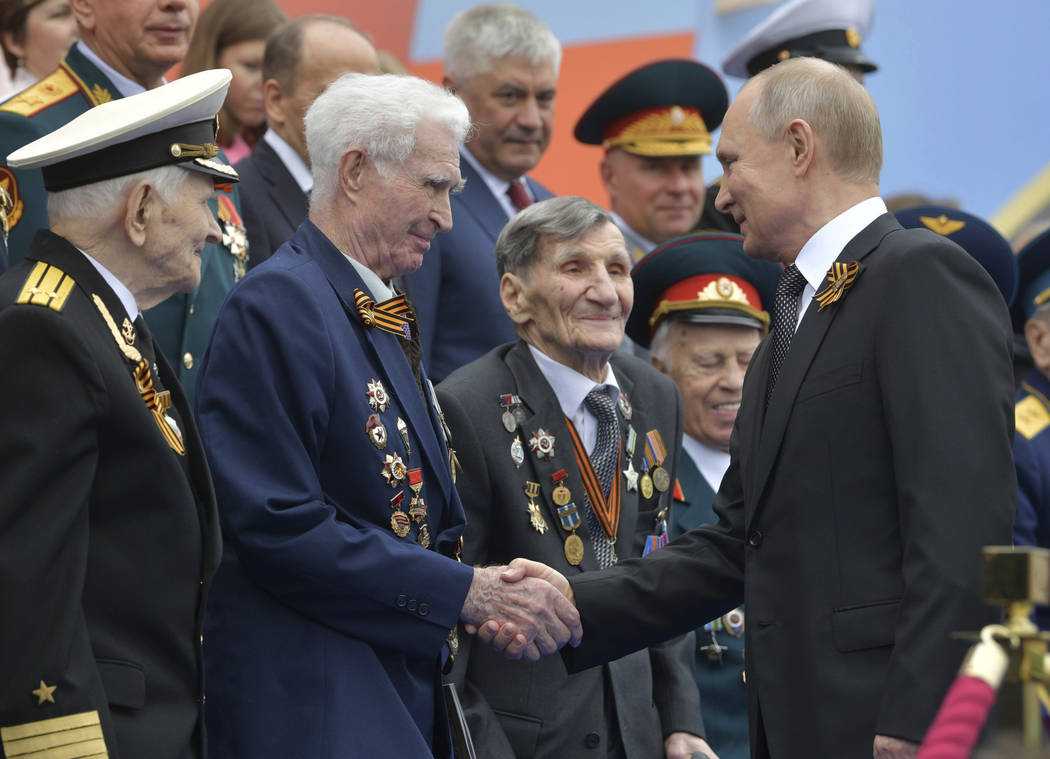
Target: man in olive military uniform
{"points": [[125, 48], [109, 534]]}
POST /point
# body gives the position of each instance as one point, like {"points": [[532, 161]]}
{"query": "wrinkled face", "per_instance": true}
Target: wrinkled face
{"points": [[708, 362], [659, 197], [329, 51], [140, 38], [50, 30], [758, 184], [244, 99], [400, 213], [177, 233], [574, 301], [512, 108]]}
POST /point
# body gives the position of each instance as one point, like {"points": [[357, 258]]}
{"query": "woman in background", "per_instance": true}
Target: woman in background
{"points": [[232, 34], [35, 35]]}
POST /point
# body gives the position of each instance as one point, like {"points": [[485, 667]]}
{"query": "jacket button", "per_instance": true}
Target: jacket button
{"points": [[755, 539], [187, 360], [402, 600], [592, 740], [412, 605], [424, 609]]}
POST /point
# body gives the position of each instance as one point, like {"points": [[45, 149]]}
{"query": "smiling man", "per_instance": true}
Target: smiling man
{"points": [[655, 125], [503, 62], [553, 432]]}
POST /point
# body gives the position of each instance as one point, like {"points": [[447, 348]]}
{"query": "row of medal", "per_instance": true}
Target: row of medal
{"points": [[542, 443], [395, 472]]}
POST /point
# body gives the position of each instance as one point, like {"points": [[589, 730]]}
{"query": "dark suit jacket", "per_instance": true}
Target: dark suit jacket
{"points": [[456, 290], [326, 632], [853, 512], [272, 202], [518, 709], [108, 538]]}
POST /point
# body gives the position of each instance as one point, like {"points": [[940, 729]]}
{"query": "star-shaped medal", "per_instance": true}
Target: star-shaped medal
{"points": [[394, 470], [542, 443], [632, 476], [377, 397], [44, 693]]}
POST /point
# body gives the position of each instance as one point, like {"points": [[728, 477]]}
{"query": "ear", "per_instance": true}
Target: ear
{"points": [[608, 174], [658, 364], [84, 11], [273, 101], [12, 45], [1037, 335], [801, 141], [353, 170], [512, 292], [140, 210], [448, 84]]}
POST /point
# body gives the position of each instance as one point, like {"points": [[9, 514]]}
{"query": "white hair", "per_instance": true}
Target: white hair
{"points": [[378, 114], [660, 346], [485, 33], [99, 200]]}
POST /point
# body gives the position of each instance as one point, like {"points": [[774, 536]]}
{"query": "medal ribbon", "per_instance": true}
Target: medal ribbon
{"points": [[607, 511], [392, 315], [655, 453]]}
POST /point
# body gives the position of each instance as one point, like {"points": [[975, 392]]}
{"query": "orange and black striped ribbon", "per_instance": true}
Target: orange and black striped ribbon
{"points": [[144, 382], [840, 279], [607, 510], [392, 315]]}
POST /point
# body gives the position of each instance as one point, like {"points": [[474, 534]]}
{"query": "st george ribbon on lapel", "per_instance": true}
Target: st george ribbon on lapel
{"points": [[785, 317]]}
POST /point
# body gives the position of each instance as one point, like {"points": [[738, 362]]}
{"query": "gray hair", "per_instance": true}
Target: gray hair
{"points": [[560, 219], [660, 346], [378, 114], [831, 101], [99, 199], [485, 33]]}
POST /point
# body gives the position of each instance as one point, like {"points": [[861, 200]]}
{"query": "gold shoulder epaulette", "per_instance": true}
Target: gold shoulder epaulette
{"points": [[1031, 417], [46, 285], [58, 85], [57, 738]]}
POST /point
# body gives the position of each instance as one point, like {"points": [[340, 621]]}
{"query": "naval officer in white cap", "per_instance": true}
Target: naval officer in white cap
{"points": [[108, 529]]}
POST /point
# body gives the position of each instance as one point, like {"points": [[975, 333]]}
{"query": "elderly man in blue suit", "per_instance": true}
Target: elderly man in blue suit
{"points": [[333, 610], [503, 62]]}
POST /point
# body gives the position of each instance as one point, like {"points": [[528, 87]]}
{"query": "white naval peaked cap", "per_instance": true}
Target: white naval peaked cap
{"points": [[828, 29], [174, 124]]}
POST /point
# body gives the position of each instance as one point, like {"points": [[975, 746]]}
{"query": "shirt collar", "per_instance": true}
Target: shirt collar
{"points": [[570, 387], [498, 187], [821, 250], [378, 289], [119, 289], [126, 87], [291, 159], [711, 462]]}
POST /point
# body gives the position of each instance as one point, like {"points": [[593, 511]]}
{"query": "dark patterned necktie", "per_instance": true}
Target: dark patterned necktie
{"points": [[603, 459], [785, 317], [519, 196]]}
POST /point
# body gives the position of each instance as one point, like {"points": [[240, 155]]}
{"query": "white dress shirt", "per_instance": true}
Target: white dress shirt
{"points": [[497, 186], [711, 462], [292, 161]]}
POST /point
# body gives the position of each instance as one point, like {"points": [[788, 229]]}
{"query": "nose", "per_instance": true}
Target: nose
{"points": [[677, 181], [723, 200], [441, 212], [733, 379], [603, 289], [528, 116], [214, 233]]}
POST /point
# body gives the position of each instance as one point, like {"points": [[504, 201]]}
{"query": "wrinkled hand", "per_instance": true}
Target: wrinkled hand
{"points": [[523, 619], [894, 748], [684, 745]]}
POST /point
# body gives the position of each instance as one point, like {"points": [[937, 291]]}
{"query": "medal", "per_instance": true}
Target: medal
{"points": [[632, 476], [734, 622], [646, 485], [416, 509], [655, 475], [661, 479], [539, 524], [569, 516], [174, 426], [517, 452], [509, 422], [573, 549], [402, 430], [423, 536], [377, 397], [399, 521], [542, 444], [127, 331], [393, 470], [511, 411], [561, 495], [624, 405], [376, 431]]}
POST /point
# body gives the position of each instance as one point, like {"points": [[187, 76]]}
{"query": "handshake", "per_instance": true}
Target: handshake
{"points": [[525, 610]]}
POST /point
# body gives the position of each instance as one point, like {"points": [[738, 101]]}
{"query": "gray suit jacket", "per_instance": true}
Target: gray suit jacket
{"points": [[519, 709]]}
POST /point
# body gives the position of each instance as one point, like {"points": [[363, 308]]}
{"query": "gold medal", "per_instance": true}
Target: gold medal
{"points": [[539, 524], [661, 479], [400, 523], [646, 485], [561, 495], [423, 536], [574, 549]]}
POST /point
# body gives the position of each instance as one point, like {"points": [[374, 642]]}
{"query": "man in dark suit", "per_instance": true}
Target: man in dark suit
{"points": [[125, 48], [302, 57], [332, 610], [108, 530], [871, 456], [503, 62], [564, 282]]}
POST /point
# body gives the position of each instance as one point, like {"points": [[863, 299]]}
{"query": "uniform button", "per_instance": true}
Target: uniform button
{"points": [[187, 360], [402, 600], [592, 740], [424, 609], [193, 307], [203, 698], [412, 605], [202, 640], [755, 539]]}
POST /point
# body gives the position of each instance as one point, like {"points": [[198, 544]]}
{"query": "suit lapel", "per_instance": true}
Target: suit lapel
{"points": [[386, 348], [699, 496], [804, 346], [478, 201], [542, 411], [284, 191]]}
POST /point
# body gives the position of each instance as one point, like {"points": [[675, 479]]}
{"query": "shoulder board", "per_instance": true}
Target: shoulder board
{"points": [[55, 87], [46, 285], [71, 735], [1031, 417]]}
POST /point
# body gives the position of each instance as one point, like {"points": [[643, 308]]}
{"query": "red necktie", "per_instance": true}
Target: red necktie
{"points": [[519, 196]]}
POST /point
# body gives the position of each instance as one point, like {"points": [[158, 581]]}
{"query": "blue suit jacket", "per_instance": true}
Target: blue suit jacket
{"points": [[456, 290], [325, 632]]}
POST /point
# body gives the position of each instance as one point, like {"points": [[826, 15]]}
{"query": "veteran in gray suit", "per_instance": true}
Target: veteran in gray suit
{"points": [[568, 457]]}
